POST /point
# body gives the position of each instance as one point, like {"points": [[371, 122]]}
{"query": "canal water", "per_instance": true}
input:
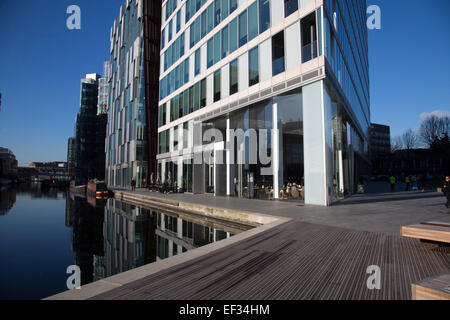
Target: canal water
{"points": [[44, 231]]}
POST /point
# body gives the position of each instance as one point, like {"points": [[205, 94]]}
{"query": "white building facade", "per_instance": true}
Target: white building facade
{"points": [[264, 99]]}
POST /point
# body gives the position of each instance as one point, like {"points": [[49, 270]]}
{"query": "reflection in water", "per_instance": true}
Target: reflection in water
{"points": [[7, 200], [102, 237], [111, 236], [33, 190], [86, 222]]}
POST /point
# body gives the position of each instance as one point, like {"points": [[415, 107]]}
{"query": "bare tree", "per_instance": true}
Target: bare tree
{"points": [[396, 144], [434, 127], [410, 140]]}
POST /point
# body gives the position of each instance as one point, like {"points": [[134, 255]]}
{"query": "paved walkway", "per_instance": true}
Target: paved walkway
{"points": [[384, 212], [296, 260]]}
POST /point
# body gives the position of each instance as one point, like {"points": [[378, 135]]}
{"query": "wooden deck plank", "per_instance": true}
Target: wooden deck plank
{"points": [[297, 260]]}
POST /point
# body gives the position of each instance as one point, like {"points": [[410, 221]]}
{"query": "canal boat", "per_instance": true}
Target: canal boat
{"points": [[97, 189]]}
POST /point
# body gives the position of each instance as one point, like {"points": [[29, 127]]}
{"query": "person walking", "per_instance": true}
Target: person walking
{"points": [[133, 184], [446, 190], [408, 182], [392, 182]]}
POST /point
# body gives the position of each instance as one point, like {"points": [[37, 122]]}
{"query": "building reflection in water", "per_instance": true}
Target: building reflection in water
{"points": [[32, 190], [7, 200], [111, 236], [86, 221]]}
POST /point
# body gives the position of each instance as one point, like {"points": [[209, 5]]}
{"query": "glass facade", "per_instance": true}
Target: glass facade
{"points": [[227, 79], [127, 143]]}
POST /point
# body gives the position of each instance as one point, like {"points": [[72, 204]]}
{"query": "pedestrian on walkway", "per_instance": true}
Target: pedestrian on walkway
{"points": [[133, 184], [392, 182], [408, 182], [446, 190]]}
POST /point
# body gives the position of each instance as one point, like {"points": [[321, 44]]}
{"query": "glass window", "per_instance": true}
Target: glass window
{"points": [[210, 17], [186, 102], [191, 99], [172, 113], [162, 113], [177, 77], [198, 4], [217, 85], [193, 11], [290, 6], [217, 14], [210, 53], [182, 73], [233, 35], [170, 30], [191, 35], [180, 105], [233, 5], [252, 21], [169, 56], [196, 96], [204, 26], [224, 9], [178, 20], [163, 38], [278, 53], [197, 62], [264, 15], [198, 23], [225, 51], [182, 45], [186, 70], [216, 47], [253, 66], [242, 28], [309, 38], [176, 107], [203, 93], [233, 76], [188, 10]]}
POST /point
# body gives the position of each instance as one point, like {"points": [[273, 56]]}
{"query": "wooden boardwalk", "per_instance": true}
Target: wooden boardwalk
{"points": [[293, 261]]}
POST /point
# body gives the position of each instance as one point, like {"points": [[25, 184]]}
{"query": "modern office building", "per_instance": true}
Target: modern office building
{"points": [[259, 95], [90, 132], [380, 140], [103, 90], [131, 139]]}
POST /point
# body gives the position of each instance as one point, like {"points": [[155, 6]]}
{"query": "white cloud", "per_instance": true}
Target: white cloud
{"points": [[437, 113]]}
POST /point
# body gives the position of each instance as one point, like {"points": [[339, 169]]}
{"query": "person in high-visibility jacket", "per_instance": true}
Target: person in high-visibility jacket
{"points": [[408, 182], [392, 180]]}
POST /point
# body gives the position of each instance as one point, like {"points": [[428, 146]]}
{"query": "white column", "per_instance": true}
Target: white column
{"points": [[228, 158], [180, 228], [275, 151], [314, 144]]}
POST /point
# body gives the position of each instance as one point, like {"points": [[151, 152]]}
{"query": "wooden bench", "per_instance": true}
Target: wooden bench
{"points": [[435, 288], [430, 233]]}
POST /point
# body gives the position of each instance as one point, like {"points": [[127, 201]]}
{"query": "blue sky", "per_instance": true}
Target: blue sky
{"points": [[42, 62]]}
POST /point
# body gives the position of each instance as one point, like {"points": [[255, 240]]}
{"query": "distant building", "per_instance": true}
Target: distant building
{"points": [[71, 156], [89, 132], [103, 90], [49, 168], [430, 163], [380, 141], [8, 163]]}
